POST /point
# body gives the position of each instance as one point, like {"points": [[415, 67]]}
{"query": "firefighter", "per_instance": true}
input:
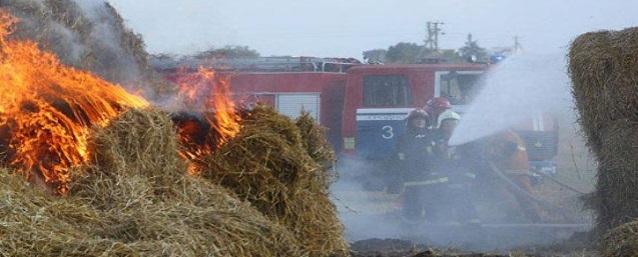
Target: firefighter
{"points": [[415, 154], [453, 162], [435, 107], [508, 156]]}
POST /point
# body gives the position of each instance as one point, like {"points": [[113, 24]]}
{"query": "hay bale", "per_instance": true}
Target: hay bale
{"points": [[621, 241], [604, 70], [136, 201], [616, 198], [268, 164]]}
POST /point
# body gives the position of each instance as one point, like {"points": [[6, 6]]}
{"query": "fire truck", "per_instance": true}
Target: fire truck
{"points": [[364, 106]]}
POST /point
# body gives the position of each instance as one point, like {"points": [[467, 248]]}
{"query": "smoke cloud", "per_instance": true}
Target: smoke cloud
{"points": [[513, 91]]}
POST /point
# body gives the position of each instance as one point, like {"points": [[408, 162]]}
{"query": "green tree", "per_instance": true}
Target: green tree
{"points": [[405, 53], [472, 50], [228, 52], [375, 56], [452, 56]]}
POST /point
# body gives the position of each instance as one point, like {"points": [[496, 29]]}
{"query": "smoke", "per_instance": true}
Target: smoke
{"points": [[512, 91], [89, 35], [107, 34], [519, 87], [365, 214]]}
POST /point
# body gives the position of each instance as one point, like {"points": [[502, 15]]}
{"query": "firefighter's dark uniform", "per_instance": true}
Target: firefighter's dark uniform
{"points": [[415, 150], [454, 191]]}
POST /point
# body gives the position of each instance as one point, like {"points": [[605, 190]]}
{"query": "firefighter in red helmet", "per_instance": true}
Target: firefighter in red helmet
{"points": [[415, 155], [435, 107]]}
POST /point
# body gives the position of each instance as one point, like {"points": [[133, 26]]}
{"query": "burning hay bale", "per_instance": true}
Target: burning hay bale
{"points": [[604, 71], [268, 164], [137, 155], [88, 35], [136, 201], [47, 109]]}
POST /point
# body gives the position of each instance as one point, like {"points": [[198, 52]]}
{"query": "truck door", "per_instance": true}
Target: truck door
{"points": [[382, 117]]}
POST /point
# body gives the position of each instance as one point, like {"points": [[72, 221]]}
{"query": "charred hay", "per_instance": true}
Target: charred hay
{"points": [[271, 166]]}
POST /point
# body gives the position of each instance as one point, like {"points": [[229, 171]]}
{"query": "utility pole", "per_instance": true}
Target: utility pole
{"points": [[433, 29]]}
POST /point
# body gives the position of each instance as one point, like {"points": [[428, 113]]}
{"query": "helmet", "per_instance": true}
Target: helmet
{"points": [[418, 113], [439, 103], [448, 115]]}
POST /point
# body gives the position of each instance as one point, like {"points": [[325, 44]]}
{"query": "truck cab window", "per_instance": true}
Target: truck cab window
{"points": [[460, 89], [385, 91]]}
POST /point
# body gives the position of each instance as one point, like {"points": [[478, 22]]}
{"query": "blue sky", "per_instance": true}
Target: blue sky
{"points": [[347, 27]]}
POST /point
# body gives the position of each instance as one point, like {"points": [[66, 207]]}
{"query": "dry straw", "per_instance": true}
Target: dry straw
{"points": [[604, 70], [621, 241], [270, 165], [136, 202]]}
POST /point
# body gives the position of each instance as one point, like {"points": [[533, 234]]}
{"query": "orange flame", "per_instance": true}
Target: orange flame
{"points": [[47, 109], [208, 93]]}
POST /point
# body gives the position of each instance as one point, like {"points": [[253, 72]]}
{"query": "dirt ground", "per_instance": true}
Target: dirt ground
{"points": [[406, 248]]}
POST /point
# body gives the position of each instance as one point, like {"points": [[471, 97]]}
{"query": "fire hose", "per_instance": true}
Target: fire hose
{"points": [[568, 187], [524, 193]]}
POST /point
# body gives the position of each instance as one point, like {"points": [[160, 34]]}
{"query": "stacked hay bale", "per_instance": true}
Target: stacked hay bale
{"points": [[89, 35], [270, 165], [604, 71], [137, 201]]}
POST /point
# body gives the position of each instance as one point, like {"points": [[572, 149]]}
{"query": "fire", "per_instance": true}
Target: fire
{"points": [[47, 109], [207, 93]]}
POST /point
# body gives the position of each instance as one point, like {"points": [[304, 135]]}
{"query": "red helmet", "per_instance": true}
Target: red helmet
{"points": [[439, 103]]}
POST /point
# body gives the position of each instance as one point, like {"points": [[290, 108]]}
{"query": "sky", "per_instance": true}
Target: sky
{"points": [[346, 28]]}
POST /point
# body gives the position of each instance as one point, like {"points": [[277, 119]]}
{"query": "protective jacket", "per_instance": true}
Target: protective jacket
{"points": [[415, 152]]}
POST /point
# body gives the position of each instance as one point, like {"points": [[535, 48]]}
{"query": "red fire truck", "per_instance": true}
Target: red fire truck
{"points": [[364, 106]]}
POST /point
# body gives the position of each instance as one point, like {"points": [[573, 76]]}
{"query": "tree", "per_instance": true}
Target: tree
{"points": [[405, 53], [452, 56], [228, 52], [375, 56], [472, 50]]}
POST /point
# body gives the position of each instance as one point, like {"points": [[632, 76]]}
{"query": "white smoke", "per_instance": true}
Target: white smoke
{"points": [[514, 90], [104, 32]]}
